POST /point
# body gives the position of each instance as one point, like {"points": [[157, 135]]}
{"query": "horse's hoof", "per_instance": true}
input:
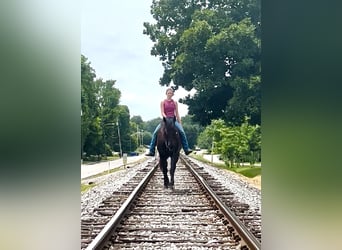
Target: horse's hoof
{"points": [[166, 186], [166, 182]]}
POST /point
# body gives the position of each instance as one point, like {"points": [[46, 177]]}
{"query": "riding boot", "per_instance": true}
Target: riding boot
{"points": [[185, 143], [184, 140]]}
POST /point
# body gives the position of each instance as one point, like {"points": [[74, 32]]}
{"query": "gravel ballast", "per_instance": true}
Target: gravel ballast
{"points": [[107, 184]]}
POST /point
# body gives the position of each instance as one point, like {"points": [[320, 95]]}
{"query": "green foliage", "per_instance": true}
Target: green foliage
{"points": [[246, 100], [124, 127], [139, 134], [86, 187], [235, 144], [94, 143], [151, 125], [88, 98], [138, 121], [103, 119], [106, 124], [214, 48], [192, 130], [147, 137], [249, 172], [204, 140]]}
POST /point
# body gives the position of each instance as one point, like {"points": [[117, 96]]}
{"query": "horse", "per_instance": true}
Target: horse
{"points": [[168, 145]]}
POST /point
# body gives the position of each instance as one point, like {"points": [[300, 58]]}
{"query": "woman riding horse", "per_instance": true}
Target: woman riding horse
{"points": [[169, 108]]}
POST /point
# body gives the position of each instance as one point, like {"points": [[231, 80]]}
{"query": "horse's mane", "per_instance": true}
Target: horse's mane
{"points": [[169, 124], [169, 132]]}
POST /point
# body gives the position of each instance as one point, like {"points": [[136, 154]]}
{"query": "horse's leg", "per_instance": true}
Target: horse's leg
{"points": [[172, 173], [163, 166], [174, 160]]}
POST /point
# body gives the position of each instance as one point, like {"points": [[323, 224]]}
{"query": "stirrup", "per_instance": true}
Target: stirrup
{"points": [[188, 152], [150, 154]]}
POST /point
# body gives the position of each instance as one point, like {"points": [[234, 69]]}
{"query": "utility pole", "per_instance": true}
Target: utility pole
{"points": [[117, 123], [137, 136], [142, 137], [212, 149]]}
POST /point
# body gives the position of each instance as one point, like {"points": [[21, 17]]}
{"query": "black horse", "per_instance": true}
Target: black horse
{"points": [[168, 145]]}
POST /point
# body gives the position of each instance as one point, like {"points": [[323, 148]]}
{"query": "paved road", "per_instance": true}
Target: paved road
{"points": [[97, 168], [216, 159], [213, 158], [93, 169]]}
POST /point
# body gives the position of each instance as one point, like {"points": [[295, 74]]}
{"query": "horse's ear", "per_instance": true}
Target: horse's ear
{"points": [[164, 119]]}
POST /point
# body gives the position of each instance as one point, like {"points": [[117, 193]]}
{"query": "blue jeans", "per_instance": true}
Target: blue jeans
{"points": [[181, 131]]}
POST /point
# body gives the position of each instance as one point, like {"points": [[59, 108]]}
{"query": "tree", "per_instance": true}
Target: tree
{"points": [[138, 120], [235, 144], [151, 125], [89, 107], [191, 129], [212, 47], [105, 123], [94, 142], [246, 101], [108, 98], [204, 140], [124, 127]]}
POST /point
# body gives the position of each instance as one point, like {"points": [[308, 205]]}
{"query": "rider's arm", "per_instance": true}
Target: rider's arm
{"points": [[162, 109], [177, 114]]}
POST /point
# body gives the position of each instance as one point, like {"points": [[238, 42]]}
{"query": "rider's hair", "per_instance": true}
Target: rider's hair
{"points": [[169, 89]]}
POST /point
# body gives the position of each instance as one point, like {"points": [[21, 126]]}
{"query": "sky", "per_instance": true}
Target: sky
{"points": [[113, 41]]}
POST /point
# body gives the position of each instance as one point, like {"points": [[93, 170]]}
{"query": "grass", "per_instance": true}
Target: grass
{"points": [[109, 158], [85, 187], [249, 172]]}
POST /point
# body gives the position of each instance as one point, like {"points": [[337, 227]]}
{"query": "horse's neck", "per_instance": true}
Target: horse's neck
{"points": [[170, 128]]}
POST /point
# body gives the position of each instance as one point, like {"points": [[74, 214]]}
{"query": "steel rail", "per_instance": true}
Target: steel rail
{"points": [[251, 241], [105, 234]]}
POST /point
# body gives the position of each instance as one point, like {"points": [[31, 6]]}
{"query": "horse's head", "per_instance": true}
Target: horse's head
{"points": [[169, 122]]}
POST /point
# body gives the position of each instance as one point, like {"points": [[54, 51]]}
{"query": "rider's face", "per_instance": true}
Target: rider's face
{"points": [[169, 93]]}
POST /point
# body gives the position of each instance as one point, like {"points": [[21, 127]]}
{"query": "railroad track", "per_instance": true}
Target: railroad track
{"points": [[197, 213], [92, 226]]}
